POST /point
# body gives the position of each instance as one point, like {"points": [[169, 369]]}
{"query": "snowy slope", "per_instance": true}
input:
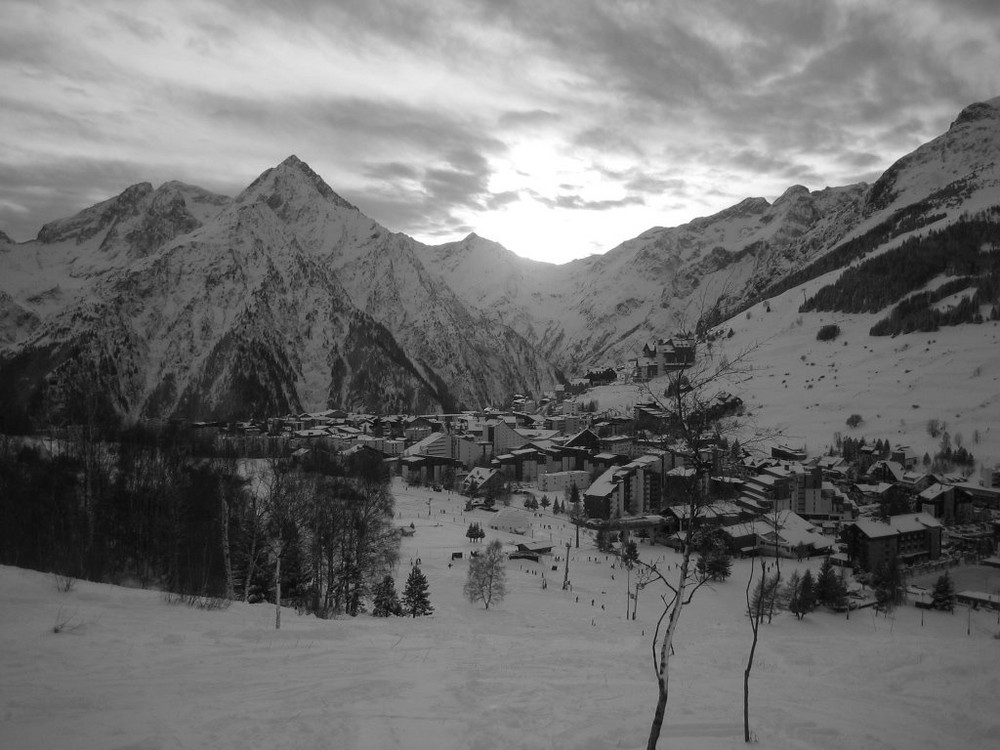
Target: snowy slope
{"points": [[543, 669]]}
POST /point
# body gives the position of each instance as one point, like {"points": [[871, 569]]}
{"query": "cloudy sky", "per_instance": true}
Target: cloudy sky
{"points": [[556, 128]]}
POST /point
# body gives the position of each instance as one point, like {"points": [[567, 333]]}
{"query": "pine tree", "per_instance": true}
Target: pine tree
{"points": [[790, 594], [943, 596], [888, 581], [385, 600], [807, 594], [826, 583], [574, 494], [473, 531], [838, 599], [416, 600]]}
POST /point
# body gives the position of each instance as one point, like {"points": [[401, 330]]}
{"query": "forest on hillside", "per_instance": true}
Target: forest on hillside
{"points": [[968, 251], [143, 511]]}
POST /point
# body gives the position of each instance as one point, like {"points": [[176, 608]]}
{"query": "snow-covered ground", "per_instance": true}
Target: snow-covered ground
{"points": [[540, 670]]}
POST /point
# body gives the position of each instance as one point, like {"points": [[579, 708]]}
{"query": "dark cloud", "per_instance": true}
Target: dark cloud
{"points": [[576, 203]]}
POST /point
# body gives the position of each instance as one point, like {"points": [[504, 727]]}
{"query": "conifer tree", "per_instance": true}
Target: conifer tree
{"points": [[416, 601], [826, 583], [385, 600], [943, 596], [792, 594], [807, 593]]}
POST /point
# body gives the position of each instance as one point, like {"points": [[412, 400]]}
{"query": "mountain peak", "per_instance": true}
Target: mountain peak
{"points": [[791, 193], [292, 177], [988, 110], [90, 221]]}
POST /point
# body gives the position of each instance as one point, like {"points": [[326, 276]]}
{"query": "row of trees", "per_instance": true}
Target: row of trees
{"points": [[800, 594], [416, 597], [147, 513]]}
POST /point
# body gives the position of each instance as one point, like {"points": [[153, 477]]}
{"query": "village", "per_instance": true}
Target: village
{"points": [[861, 506]]}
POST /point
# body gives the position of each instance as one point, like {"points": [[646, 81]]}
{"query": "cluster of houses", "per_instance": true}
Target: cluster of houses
{"points": [[786, 504]]}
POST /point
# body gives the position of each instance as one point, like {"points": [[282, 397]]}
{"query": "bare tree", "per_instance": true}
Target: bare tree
{"points": [[755, 611], [487, 577], [695, 407]]}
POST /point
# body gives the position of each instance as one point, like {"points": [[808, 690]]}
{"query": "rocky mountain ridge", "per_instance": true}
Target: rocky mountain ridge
{"points": [[176, 301]]}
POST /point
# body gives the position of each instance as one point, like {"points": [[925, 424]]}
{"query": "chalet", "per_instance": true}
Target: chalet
{"points": [[905, 457], [718, 513], [667, 355], [886, 471], [481, 481], [945, 503], [912, 538], [585, 438], [785, 534]]}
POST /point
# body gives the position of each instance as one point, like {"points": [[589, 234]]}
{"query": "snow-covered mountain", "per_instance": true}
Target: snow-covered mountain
{"points": [[603, 308], [177, 301]]}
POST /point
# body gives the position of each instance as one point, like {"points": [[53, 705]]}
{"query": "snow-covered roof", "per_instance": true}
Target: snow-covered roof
{"points": [[902, 524]]}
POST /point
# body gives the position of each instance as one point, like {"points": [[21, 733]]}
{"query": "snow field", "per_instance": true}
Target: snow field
{"points": [[539, 670]]}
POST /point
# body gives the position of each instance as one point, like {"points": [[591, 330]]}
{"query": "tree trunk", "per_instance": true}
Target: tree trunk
{"points": [[226, 560], [663, 670], [566, 573], [277, 591], [755, 620], [661, 708]]}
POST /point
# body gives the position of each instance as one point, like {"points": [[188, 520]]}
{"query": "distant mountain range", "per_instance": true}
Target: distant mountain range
{"points": [[177, 302]]}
